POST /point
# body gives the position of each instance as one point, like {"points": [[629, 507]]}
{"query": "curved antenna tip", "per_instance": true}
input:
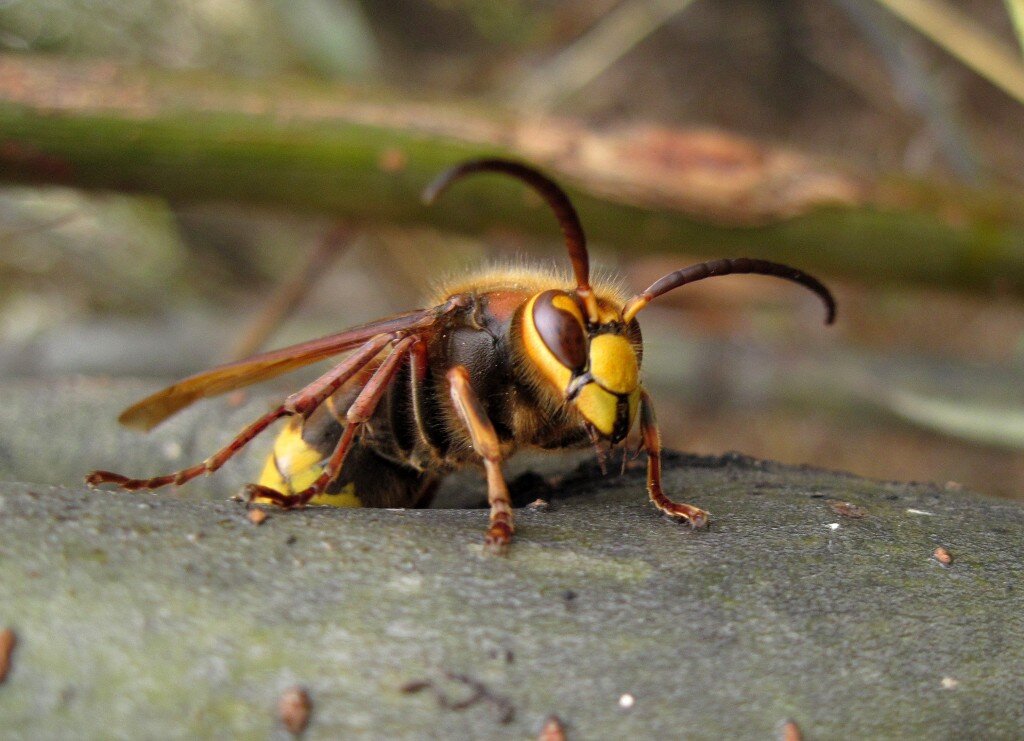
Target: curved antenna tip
{"points": [[830, 308], [728, 266]]}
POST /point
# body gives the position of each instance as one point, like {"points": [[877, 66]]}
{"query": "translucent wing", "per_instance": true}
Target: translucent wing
{"points": [[154, 409]]}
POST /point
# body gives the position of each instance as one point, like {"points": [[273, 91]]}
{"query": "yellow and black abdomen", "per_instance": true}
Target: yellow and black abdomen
{"points": [[294, 464], [367, 479]]}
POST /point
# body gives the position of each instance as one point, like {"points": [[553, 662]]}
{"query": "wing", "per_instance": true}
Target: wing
{"points": [[154, 409]]}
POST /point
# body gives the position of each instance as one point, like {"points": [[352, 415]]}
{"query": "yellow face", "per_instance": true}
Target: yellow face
{"points": [[597, 370]]}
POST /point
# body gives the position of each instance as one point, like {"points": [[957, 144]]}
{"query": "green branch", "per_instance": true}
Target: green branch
{"points": [[309, 149]]}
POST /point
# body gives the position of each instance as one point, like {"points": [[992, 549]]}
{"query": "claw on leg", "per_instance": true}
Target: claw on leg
{"points": [[358, 414], [253, 492], [694, 516], [499, 532]]}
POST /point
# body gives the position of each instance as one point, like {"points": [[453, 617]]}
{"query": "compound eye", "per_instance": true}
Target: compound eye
{"points": [[559, 322]]}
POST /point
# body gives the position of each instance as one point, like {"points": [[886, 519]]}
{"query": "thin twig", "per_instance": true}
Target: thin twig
{"points": [[15, 234], [961, 36], [1016, 10], [915, 87], [289, 295], [597, 50]]}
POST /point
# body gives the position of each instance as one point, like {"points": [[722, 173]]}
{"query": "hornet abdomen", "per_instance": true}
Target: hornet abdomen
{"points": [[367, 478]]}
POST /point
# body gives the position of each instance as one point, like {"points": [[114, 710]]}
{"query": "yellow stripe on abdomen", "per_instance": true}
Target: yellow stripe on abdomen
{"points": [[294, 465]]}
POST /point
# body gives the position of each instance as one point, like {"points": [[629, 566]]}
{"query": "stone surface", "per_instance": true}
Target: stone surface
{"points": [[55, 431], [155, 616]]}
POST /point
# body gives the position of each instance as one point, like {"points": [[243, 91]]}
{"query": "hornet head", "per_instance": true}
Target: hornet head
{"points": [[586, 349]]}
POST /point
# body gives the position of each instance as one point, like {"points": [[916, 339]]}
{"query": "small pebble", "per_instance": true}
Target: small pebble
{"points": [[942, 556], [257, 516], [294, 708], [790, 731], [552, 730], [172, 451], [948, 683], [626, 701], [847, 509], [7, 642]]}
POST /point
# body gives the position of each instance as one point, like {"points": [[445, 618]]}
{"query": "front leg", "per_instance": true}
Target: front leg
{"points": [[652, 444], [485, 443]]}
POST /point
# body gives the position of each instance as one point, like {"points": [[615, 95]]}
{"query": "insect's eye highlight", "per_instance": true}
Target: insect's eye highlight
{"points": [[559, 322]]}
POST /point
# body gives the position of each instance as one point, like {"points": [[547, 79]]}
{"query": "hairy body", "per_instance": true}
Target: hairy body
{"points": [[415, 436], [501, 360]]}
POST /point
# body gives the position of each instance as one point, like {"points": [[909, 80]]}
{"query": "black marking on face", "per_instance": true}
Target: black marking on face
{"points": [[579, 380]]}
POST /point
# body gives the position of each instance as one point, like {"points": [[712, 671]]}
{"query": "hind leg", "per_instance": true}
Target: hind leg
{"points": [[366, 479], [357, 415], [303, 403]]}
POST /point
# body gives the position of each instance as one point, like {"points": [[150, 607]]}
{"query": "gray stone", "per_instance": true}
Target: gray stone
{"points": [[155, 616]]}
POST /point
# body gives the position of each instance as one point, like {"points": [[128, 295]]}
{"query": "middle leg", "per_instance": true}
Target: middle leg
{"points": [[485, 443]]}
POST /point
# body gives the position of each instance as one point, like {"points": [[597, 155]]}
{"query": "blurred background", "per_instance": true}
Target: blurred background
{"points": [[186, 181]]}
